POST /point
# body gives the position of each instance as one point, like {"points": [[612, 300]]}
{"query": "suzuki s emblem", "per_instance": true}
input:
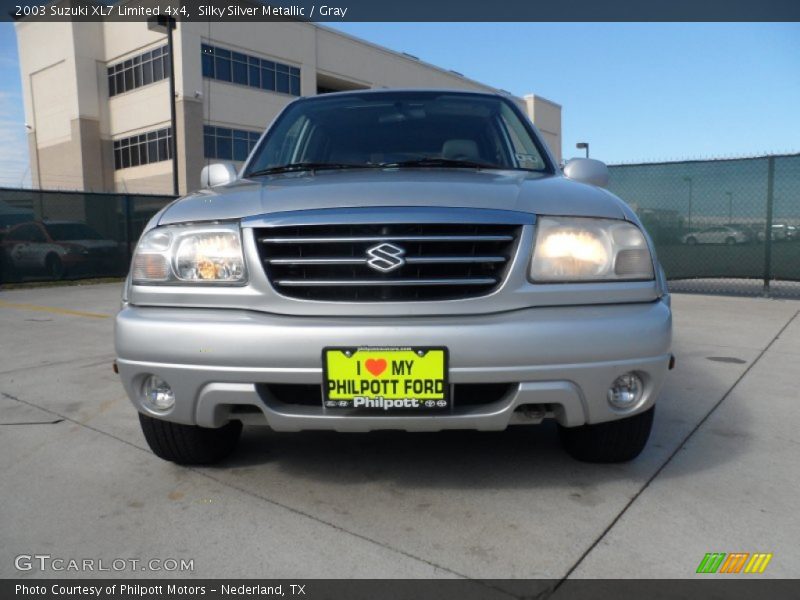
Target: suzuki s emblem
{"points": [[385, 257]]}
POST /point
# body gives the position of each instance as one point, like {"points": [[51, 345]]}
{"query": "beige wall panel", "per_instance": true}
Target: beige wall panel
{"points": [[41, 45], [189, 115], [292, 43], [338, 54], [240, 106], [51, 113], [60, 165], [188, 68], [88, 51], [547, 117], [33, 153], [122, 40], [139, 109], [93, 162], [554, 143], [155, 178]]}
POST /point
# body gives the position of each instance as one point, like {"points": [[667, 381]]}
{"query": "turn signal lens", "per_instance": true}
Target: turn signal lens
{"points": [[152, 267]]}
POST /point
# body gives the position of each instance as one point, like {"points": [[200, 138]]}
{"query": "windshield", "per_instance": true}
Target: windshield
{"points": [[399, 129], [61, 232]]}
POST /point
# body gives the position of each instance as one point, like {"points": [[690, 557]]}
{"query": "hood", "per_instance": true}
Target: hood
{"points": [[501, 190]]}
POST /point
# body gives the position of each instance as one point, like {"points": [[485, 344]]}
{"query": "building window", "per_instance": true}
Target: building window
{"points": [[150, 147], [244, 69], [138, 71], [228, 144]]}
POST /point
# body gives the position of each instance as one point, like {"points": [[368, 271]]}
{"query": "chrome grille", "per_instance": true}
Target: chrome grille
{"points": [[395, 262]]}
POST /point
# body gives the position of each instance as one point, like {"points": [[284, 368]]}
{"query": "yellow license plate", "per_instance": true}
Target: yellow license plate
{"points": [[385, 378]]}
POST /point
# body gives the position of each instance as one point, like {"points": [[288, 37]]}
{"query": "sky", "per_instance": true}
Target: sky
{"points": [[636, 92]]}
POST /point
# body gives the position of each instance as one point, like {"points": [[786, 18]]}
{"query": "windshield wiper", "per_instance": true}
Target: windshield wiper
{"points": [[305, 166], [425, 161], [435, 161]]}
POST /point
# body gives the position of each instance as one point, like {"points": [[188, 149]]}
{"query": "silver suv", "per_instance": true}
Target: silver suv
{"points": [[409, 260]]}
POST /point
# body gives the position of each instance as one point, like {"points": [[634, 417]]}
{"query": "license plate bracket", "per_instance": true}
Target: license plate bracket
{"points": [[392, 378]]}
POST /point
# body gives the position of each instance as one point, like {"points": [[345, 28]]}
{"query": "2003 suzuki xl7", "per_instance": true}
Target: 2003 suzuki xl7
{"points": [[409, 260]]}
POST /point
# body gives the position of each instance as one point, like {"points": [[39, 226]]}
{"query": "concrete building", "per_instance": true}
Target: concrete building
{"points": [[97, 94]]}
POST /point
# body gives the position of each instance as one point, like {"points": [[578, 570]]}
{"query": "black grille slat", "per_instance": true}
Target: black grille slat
{"points": [[443, 261]]}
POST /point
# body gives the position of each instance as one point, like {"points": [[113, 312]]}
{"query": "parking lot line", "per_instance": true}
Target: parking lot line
{"points": [[598, 550], [472, 504], [53, 309]]}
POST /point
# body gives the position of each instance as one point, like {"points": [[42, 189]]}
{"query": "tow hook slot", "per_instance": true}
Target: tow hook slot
{"points": [[530, 413]]}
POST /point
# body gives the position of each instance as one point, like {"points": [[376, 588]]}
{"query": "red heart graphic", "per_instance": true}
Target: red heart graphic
{"points": [[376, 366]]}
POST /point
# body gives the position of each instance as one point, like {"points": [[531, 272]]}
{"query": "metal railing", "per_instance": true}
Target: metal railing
{"points": [[719, 226], [52, 235]]}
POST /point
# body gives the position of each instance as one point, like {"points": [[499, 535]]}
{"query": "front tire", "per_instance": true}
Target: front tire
{"points": [[8, 273], [610, 442], [189, 444], [54, 267]]}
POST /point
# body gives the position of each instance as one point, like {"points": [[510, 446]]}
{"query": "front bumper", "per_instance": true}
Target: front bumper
{"points": [[560, 362]]}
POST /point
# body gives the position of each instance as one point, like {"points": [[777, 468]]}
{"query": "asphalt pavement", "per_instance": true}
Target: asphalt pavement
{"points": [[719, 474]]}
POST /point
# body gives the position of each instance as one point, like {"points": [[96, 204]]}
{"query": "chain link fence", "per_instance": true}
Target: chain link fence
{"points": [[719, 226], [49, 235]]}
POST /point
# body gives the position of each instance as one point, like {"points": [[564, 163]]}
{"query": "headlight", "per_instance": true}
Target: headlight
{"points": [[190, 254], [581, 249]]}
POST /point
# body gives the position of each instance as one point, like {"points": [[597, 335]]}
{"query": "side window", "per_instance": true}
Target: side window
{"points": [[26, 233], [523, 150], [36, 234], [15, 235]]}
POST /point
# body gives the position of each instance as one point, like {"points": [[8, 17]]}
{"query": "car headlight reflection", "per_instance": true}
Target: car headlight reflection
{"points": [[584, 249], [190, 254]]}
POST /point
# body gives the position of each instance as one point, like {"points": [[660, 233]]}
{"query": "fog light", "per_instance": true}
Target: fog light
{"points": [[157, 394], [626, 391]]}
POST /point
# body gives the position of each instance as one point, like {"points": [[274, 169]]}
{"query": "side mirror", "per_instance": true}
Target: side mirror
{"points": [[217, 174], [587, 170]]}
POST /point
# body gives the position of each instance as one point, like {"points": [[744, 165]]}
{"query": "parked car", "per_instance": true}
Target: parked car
{"points": [[408, 260], [781, 232], [58, 248], [723, 234]]}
